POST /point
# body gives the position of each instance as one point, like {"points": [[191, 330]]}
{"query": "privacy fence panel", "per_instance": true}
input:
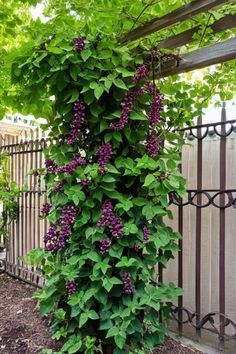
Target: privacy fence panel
{"points": [[205, 266], [25, 233]]}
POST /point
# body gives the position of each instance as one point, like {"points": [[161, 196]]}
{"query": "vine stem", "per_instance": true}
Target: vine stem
{"points": [[153, 2], [205, 29]]}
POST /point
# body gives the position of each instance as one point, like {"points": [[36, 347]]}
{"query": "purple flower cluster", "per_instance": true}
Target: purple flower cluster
{"points": [[59, 186], [156, 105], [105, 245], [85, 182], [56, 239], [71, 166], [51, 237], [126, 105], [79, 117], [108, 218], [71, 287], [79, 43], [50, 165], [153, 145], [128, 286], [104, 153], [136, 248], [46, 209], [68, 214], [141, 72], [145, 235]]}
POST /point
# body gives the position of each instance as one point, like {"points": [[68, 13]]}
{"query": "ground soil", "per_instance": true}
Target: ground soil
{"points": [[23, 331]]}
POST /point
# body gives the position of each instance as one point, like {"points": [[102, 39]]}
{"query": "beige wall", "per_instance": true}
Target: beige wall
{"points": [[210, 231]]}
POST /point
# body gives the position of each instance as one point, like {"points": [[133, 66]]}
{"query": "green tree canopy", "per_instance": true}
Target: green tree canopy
{"points": [[22, 38]]}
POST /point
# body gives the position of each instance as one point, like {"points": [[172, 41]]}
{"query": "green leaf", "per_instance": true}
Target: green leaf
{"points": [[74, 71], [75, 348], [55, 50], [93, 315], [98, 91], [108, 178], [85, 54], [74, 96], [139, 201], [94, 256], [107, 284], [112, 332], [115, 281], [83, 319], [120, 340], [138, 116], [106, 324], [119, 83], [73, 260], [148, 180]]}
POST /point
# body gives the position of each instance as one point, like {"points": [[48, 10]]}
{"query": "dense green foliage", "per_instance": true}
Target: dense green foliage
{"points": [[20, 34], [136, 184]]}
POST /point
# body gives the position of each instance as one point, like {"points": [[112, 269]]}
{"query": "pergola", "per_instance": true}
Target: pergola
{"points": [[200, 58]]}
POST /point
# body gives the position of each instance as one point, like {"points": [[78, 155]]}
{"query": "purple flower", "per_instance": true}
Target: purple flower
{"points": [[50, 165], [59, 186], [68, 214], [85, 182], [104, 153], [71, 287], [46, 209], [51, 236], [136, 248], [115, 226], [107, 211], [156, 105], [56, 238], [127, 105], [105, 245], [128, 286], [153, 145], [145, 235], [79, 44], [70, 167], [108, 218], [141, 72], [79, 118]]}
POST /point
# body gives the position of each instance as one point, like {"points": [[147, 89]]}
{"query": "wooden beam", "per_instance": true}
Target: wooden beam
{"points": [[201, 58], [181, 14], [183, 38]]}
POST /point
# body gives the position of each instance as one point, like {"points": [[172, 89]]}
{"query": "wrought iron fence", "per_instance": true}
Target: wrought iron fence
{"points": [[27, 231]]}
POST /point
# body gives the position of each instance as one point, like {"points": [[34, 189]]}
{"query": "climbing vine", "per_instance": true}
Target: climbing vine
{"points": [[108, 174]]}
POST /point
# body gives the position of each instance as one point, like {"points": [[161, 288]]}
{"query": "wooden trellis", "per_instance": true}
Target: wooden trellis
{"points": [[203, 57]]}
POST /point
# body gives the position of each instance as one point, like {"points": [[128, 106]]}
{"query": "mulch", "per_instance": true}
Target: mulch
{"points": [[23, 331]]}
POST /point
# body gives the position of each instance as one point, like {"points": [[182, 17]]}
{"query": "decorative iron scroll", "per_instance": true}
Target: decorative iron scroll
{"points": [[219, 199], [221, 129], [207, 322]]}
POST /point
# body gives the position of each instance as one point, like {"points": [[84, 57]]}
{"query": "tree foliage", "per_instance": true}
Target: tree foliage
{"points": [[20, 33]]}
